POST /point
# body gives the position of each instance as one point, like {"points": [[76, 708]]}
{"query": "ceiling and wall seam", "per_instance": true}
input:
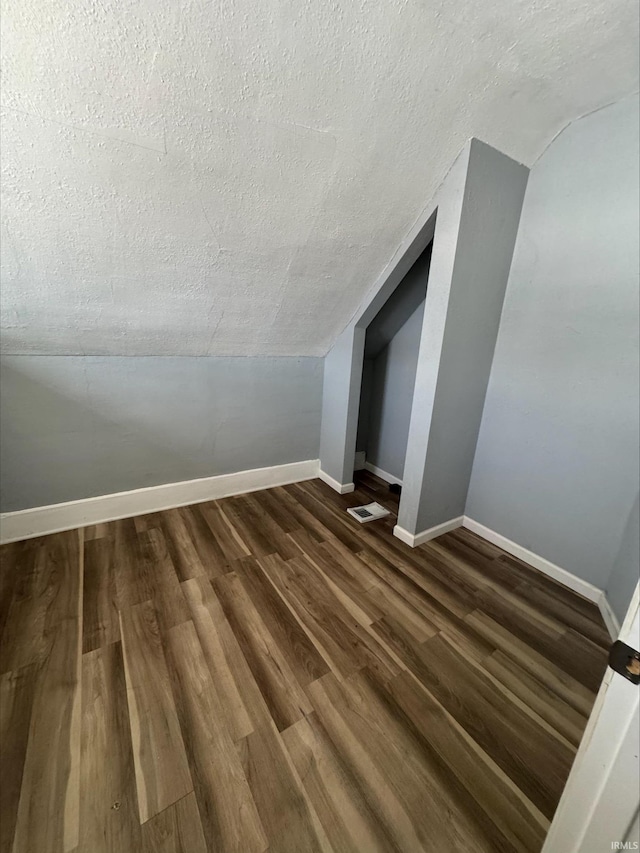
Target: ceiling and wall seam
{"points": [[579, 118]]}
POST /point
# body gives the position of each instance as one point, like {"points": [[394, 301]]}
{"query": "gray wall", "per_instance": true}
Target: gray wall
{"points": [[472, 221], [405, 299], [391, 397], [77, 427], [472, 253], [343, 363], [626, 567], [556, 466], [364, 413], [386, 419], [340, 403]]}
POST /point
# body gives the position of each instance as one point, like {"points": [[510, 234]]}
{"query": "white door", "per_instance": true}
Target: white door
{"points": [[598, 811]]}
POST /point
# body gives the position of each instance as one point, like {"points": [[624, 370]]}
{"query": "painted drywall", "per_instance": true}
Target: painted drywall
{"points": [[472, 222], [393, 314], [391, 397], [402, 303], [364, 412], [472, 252], [343, 364], [340, 401], [556, 467], [231, 179], [626, 567], [78, 427]]}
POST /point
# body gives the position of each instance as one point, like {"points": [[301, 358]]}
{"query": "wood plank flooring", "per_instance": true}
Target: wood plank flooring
{"points": [[264, 673]]}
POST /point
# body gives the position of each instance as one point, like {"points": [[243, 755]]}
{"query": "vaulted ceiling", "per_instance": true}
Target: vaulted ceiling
{"points": [[231, 177]]}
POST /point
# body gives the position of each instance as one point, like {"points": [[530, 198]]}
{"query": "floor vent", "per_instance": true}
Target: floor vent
{"points": [[368, 512]]}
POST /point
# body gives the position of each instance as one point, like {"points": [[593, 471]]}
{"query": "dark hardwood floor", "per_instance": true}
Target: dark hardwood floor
{"points": [[263, 672]]}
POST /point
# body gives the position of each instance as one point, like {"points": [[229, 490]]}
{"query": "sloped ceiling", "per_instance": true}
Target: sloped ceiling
{"points": [[399, 307], [231, 177]]}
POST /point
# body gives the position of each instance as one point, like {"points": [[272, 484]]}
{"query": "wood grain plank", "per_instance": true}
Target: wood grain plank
{"points": [[336, 505], [515, 816], [365, 587], [45, 593], [222, 655], [538, 696], [226, 537], [262, 671], [399, 781], [256, 516], [538, 763], [579, 618], [390, 602], [16, 701], [425, 587], [167, 596], [527, 574], [207, 545], [27, 599], [108, 800], [283, 694], [395, 637], [135, 582], [303, 658], [548, 672], [393, 581], [182, 551], [377, 489], [440, 784], [472, 540], [300, 514], [254, 530], [334, 524], [48, 808], [65, 567], [148, 521], [242, 702], [277, 509], [453, 570], [14, 559], [96, 531], [474, 556], [101, 624], [346, 644], [349, 819], [284, 812], [227, 810], [161, 767], [136, 567], [582, 659], [347, 577], [47, 818], [177, 829], [493, 598]]}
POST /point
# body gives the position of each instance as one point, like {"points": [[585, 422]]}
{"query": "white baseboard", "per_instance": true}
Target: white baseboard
{"points": [[420, 538], [384, 475], [340, 488], [584, 588], [608, 616], [360, 460], [27, 523]]}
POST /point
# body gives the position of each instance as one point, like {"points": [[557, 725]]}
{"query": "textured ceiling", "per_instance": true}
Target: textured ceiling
{"points": [[231, 177]]}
